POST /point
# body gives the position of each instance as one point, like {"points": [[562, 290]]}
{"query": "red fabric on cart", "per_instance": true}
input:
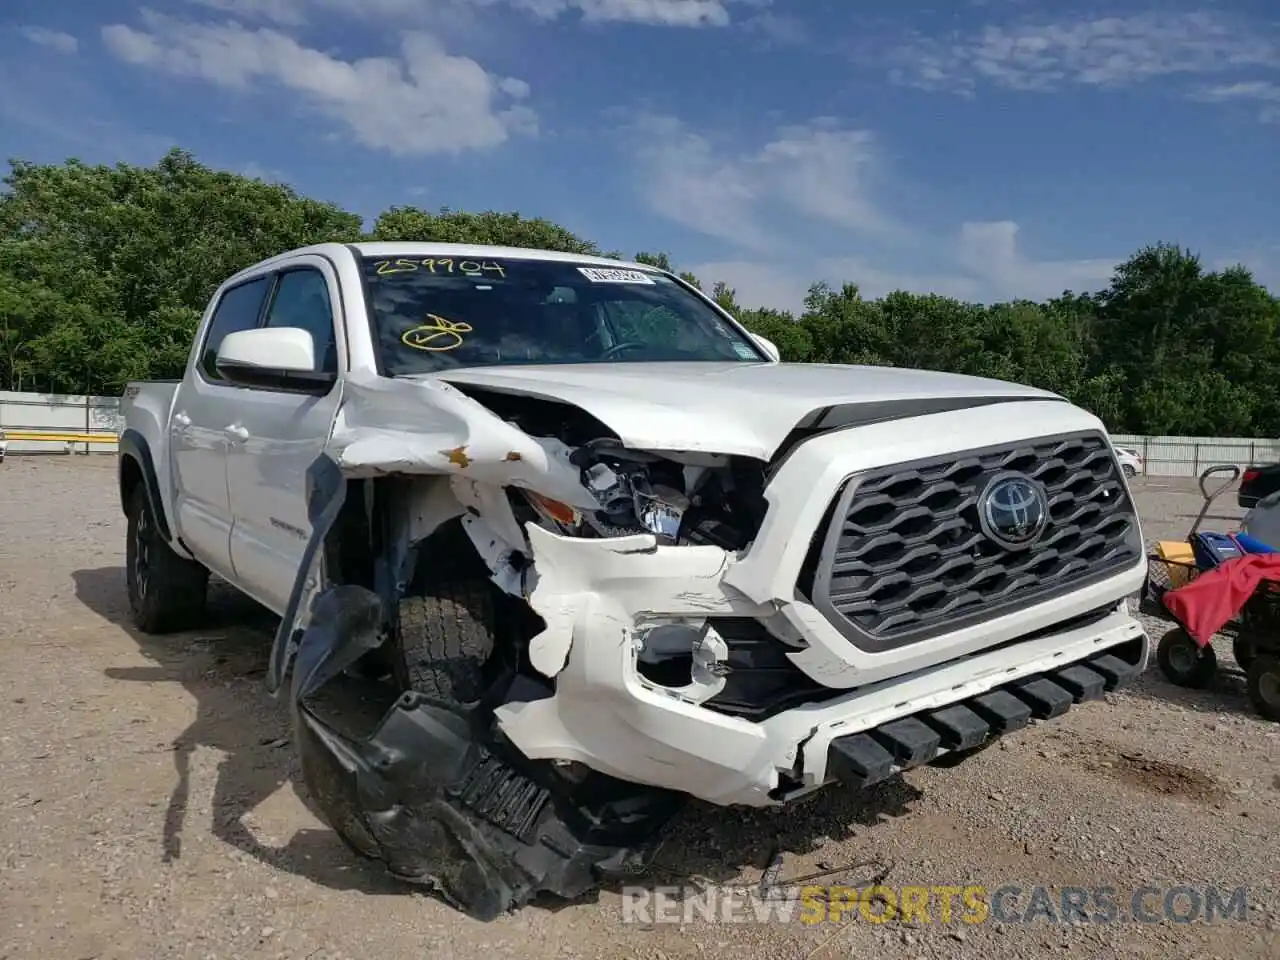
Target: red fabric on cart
{"points": [[1204, 605]]}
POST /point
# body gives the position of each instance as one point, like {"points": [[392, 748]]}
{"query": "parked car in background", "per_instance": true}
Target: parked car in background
{"points": [[1130, 461], [4, 445], [1263, 520], [1258, 482]]}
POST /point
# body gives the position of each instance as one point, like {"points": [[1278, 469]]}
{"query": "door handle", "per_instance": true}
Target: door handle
{"points": [[237, 433], [180, 419]]}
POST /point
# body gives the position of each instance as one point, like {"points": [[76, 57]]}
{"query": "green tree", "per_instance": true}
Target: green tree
{"points": [[489, 227], [104, 271]]}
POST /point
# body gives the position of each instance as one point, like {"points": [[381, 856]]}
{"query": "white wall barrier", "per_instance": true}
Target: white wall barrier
{"points": [[59, 415]]}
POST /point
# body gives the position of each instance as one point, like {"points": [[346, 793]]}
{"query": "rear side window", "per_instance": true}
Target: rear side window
{"points": [[238, 310]]}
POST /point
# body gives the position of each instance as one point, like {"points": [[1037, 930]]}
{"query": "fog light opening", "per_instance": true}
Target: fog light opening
{"points": [[664, 654], [687, 659]]}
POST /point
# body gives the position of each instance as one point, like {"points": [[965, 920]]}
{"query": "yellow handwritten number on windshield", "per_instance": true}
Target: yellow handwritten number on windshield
{"points": [[440, 334], [472, 268]]}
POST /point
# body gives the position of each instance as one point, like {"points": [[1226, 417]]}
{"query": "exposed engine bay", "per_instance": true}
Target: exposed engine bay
{"points": [[679, 498]]}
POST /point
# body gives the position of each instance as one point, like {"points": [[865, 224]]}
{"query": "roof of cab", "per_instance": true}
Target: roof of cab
{"points": [[409, 248]]}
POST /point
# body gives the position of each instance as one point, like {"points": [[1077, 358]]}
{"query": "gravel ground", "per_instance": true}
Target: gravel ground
{"points": [[152, 802]]}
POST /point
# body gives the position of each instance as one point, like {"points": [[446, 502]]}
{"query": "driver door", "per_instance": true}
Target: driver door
{"points": [[280, 435]]}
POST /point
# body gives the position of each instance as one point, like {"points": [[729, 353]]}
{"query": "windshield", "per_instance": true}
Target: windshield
{"points": [[434, 314]]}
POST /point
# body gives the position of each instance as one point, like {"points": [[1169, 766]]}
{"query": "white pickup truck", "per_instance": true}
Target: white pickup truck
{"points": [[610, 552]]}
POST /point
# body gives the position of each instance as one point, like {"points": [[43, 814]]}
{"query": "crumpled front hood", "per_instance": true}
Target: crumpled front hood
{"points": [[746, 409]]}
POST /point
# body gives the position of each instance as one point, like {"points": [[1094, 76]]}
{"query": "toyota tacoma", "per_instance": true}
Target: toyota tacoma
{"points": [[606, 552]]}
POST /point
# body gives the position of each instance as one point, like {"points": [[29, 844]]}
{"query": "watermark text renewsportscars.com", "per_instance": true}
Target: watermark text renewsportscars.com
{"points": [[813, 904]]}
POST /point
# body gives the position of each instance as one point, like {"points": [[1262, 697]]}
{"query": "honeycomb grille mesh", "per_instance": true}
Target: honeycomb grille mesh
{"points": [[907, 558]]}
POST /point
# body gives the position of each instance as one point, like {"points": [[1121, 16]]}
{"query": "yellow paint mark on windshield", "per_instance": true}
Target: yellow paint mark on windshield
{"points": [[438, 335]]}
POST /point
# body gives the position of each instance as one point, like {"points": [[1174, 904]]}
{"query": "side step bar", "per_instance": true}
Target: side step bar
{"points": [[861, 759]]}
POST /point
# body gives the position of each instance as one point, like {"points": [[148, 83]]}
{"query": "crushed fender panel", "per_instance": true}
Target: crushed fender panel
{"points": [[435, 797], [387, 426]]}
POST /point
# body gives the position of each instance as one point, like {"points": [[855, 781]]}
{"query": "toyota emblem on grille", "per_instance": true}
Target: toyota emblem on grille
{"points": [[1013, 510]]}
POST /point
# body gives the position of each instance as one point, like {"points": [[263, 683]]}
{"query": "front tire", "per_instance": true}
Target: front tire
{"points": [[1129, 471], [1183, 662], [166, 591], [443, 641]]}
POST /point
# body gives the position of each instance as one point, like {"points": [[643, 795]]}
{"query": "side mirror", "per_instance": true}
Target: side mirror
{"points": [[768, 346], [275, 358]]}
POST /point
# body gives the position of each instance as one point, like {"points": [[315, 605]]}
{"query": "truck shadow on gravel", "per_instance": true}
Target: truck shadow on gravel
{"points": [[1224, 697], [222, 667]]}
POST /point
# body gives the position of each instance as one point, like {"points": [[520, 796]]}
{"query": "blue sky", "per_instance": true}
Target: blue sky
{"points": [[979, 148]]}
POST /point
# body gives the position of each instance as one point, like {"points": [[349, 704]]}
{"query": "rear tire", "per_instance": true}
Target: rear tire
{"points": [[1262, 682], [1183, 662], [1129, 471], [443, 641], [166, 591]]}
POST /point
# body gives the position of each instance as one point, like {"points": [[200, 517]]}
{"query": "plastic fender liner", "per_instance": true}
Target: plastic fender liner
{"points": [[432, 795]]}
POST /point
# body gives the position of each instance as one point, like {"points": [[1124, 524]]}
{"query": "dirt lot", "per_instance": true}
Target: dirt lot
{"points": [[151, 800]]}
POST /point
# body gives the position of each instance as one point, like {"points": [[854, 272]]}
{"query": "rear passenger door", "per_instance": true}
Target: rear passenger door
{"points": [[204, 411], [281, 435]]}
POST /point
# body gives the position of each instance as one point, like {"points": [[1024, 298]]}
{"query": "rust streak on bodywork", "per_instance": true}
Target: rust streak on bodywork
{"points": [[458, 455]]}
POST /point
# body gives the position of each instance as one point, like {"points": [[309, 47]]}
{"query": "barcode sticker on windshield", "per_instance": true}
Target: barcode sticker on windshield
{"points": [[610, 275]]}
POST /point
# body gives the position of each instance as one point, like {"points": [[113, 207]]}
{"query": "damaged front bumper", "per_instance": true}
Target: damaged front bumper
{"points": [[606, 713]]}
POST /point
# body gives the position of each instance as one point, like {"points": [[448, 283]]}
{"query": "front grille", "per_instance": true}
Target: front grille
{"points": [[905, 558]]}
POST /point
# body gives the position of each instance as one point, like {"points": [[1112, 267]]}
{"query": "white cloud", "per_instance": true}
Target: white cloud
{"points": [[256, 171], [767, 284], [425, 101], [55, 40], [669, 13], [756, 284], [988, 267], [805, 207], [1104, 52], [989, 251], [1262, 261], [1261, 92], [288, 13], [820, 169]]}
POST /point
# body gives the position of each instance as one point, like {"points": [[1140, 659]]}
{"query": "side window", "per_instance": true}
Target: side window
{"points": [[302, 300], [237, 310]]}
